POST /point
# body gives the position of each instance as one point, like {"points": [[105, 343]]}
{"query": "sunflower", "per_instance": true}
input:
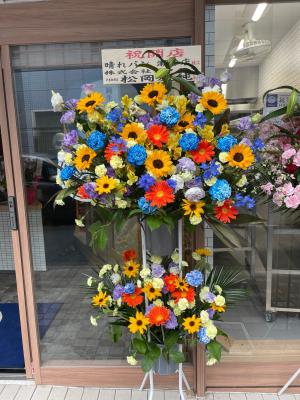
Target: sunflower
{"points": [[134, 299], [191, 324], [100, 300], [185, 122], [160, 194], [158, 135], [134, 132], [226, 212], [181, 284], [138, 323], [153, 92], [151, 292], [240, 156], [105, 184], [158, 315], [203, 251], [214, 102], [131, 269], [193, 208], [203, 153], [90, 102], [159, 163], [84, 157]]}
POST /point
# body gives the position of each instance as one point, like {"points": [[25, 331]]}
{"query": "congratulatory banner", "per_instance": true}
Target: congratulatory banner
{"points": [[120, 65]]}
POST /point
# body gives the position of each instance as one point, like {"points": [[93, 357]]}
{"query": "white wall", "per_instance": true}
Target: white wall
{"points": [[244, 82], [282, 65]]}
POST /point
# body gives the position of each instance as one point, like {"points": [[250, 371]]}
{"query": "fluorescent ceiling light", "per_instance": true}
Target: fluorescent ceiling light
{"points": [[241, 44], [232, 62], [258, 13]]}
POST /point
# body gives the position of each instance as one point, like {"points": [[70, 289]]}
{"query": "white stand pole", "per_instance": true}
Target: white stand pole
{"points": [[181, 376], [289, 382]]}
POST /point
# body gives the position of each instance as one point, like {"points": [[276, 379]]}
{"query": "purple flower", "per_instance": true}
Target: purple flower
{"points": [[194, 182], [214, 81], [118, 291], [149, 308], [110, 172], [210, 297], [172, 321], [144, 119], [185, 164], [70, 138], [193, 97], [211, 313], [155, 121], [157, 270], [118, 144], [71, 103], [200, 120], [225, 76], [90, 189], [145, 182], [88, 88], [68, 117], [245, 124]]}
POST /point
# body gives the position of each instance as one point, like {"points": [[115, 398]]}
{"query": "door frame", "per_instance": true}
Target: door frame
{"points": [[81, 372]]}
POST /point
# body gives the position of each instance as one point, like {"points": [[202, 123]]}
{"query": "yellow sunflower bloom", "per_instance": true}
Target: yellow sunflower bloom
{"points": [[214, 102], [153, 92], [100, 300], [182, 285], [134, 132], [131, 269], [159, 163], [151, 292], [84, 157], [138, 323], [105, 184], [240, 156], [185, 122], [89, 103], [205, 252], [193, 208], [191, 324]]}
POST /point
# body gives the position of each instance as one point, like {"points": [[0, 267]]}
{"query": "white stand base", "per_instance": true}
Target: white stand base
{"points": [[181, 379], [289, 382]]}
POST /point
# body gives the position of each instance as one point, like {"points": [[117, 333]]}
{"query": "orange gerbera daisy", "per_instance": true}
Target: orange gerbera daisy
{"points": [[184, 294], [160, 194], [82, 193], [226, 212], [134, 299], [171, 282], [129, 254], [158, 315], [203, 153], [113, 149], [158, 135]]}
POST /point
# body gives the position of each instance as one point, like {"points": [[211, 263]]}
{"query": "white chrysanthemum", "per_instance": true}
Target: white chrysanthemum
{"points": [[210, 182], [199, 108], [174, 270], [58, 180], [119, 302], [110, 105], [223, 157], [211, 361], [211, 331], [100, 286], [156, 259], [157, 283], [194, 194], [79, 127], [79, 222], [242, 182], [220, 300], [116, 267], [59, 202], [194, 220], [203, 293], [115, 312], [187, 176], [116, 162], [69, 183], [57, 102], [145, 272], [192, 304], [105, 269], [215, 88], [183, 304], [90, 281], [68, 159], [120, 203], [131, 360], [93, 321], [100, 170], [204, 316], [158, 303], [175, 257], [61, 156], [218, 289], [179, 182], [177, 311], [115, 278]]}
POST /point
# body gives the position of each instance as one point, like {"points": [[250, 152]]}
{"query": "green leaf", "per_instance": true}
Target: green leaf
{"points": [[176, 356], [226, 234], [116, 332], [140, 345], [147, 364], [188, 85], [62, 194], [153, 351], [134, 212], [149, 66], [153, 222], [280, 87], [99, 235], [274, 114], [171, 338], [248, 219], [215, 350], [292, 102]]}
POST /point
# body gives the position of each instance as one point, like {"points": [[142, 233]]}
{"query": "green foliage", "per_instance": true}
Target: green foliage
{"points": [[140, 345], [116, 332], [176, 355], [154, 222], [171, 338], [214, 350]]}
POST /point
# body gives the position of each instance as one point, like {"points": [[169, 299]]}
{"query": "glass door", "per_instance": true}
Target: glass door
{"points": [[71, 349]]}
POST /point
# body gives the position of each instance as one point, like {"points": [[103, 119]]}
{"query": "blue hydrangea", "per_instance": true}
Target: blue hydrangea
{"points": [[172, 183], [194, 278], [220, 191], [210, 170], [200, 120], [202, 337], [114, 115], [225, 143], [145, 182], [137, 155], [189, 141], [129, 288], [145, 206], [258, 144], [244, 201], [169, 116], [96, 140], [67, 172]]}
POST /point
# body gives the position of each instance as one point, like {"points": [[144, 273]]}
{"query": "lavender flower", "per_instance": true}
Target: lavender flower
{"points": [[245, 124], [157, 270], [71, 103], [118, 291], [193, 97], [185, 164], [70, 138], [194, 194], [68, 117], [88, 88], [90, 189], [172, 321]]}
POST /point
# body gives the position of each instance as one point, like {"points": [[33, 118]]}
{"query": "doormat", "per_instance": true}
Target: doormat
{"points": [[11, 351]]}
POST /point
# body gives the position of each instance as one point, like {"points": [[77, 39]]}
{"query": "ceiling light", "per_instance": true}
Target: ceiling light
{"points": [[258, 13], [232, 62], [241, 44]]}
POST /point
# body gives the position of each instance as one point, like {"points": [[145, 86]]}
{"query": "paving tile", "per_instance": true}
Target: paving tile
{"points": [[107, 394], [221, 396], [74, 393], [58, 393], [254, 396], [9, 392], [139, 395], [270, 396], [123, 394], [237, 396], [41, 392], [26, 392]]}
